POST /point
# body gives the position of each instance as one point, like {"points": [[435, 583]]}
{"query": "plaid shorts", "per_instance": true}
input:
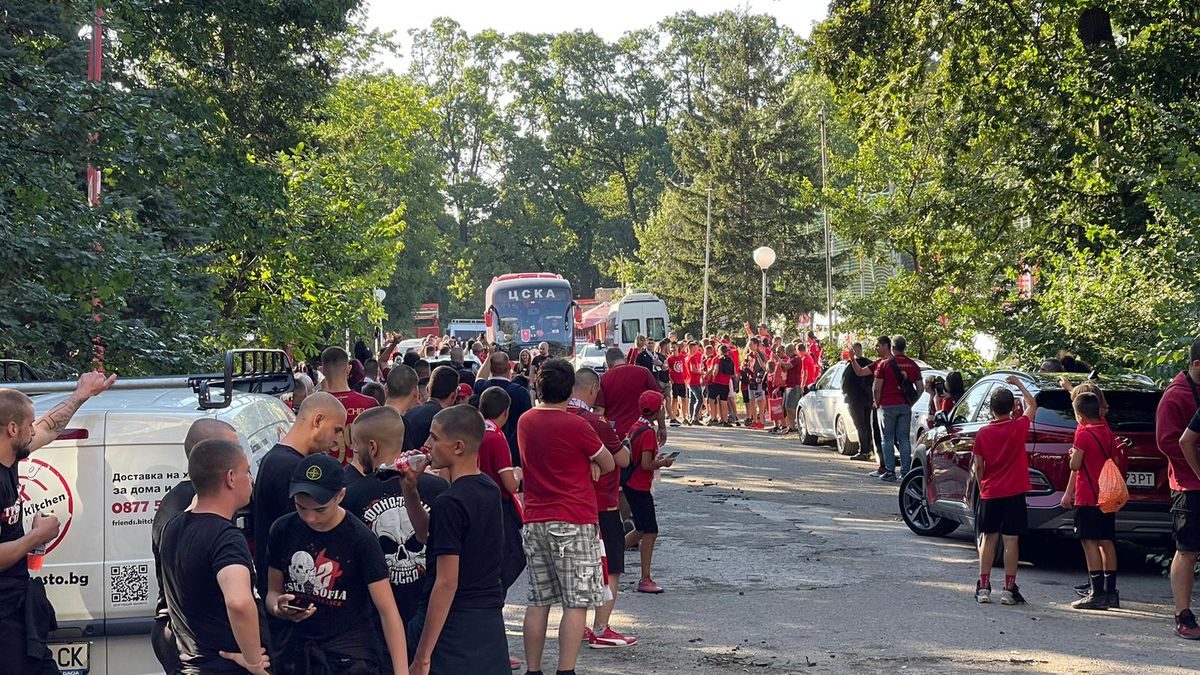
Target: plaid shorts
{"points": [[564, 564]]}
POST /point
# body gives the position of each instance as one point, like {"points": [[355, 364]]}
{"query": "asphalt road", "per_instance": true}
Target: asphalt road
{"points": [[782, 558]]}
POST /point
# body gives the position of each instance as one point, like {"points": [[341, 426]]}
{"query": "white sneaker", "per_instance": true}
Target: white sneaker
{"points": [[983, 594]]}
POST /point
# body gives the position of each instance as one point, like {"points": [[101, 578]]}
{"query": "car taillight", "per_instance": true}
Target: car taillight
{"points": [[73, 435], [1039, 483]]}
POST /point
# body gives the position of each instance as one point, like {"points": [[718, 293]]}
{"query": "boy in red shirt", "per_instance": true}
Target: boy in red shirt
{"points": [[1002, 468], [695, 368], [1092, 447], [677, 368], [644, 455]]}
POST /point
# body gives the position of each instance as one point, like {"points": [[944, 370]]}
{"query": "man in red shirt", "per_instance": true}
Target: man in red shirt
{"points": [[1002, 467], [620, 387], [335, 366], [694, 366], [1176, 408], [608, 507], [793, 385], [720, 372], [895, 410], [734, 384], [677, 368], [562, 539]]}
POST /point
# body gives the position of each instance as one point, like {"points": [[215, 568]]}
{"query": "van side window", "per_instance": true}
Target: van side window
{"points": [[656, 328], [630, 329]]}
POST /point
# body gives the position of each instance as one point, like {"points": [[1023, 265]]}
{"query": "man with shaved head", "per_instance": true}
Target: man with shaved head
{"points": [[520, 402], [319, 426], [177, 500]]}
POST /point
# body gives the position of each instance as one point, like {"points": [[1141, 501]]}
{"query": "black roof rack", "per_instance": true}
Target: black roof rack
{"points": [[253, 371]]}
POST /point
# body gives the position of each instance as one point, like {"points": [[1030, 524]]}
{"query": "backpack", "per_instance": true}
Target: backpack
{"points": [[725, 366], [627, 472], [1111, 491], [907, 388]]}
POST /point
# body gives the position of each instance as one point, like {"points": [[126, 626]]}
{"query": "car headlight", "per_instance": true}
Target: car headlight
{"points": [[1040, 484]]}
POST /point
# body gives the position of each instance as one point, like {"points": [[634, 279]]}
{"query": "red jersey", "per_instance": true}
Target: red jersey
{"points": [[676, 366], [718, 377], [608, 486], [556, 451], [695, 367], [791, 376], [1096, 442], [619, 392], [1001, 443], [646, 442], [891, 394], [1176, 408], [355, 403], [494, 457]]}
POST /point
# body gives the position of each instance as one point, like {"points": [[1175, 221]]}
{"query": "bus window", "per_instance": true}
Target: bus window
{"points": [[630, 328], [656, 328]]}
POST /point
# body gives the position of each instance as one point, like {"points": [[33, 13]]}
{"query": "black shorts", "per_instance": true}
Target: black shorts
{"points": [[1093, 524], [612, 531], [641, 506], [679, 390], [472, 641], [718, 392], [1005, 515], [1185, 507]]}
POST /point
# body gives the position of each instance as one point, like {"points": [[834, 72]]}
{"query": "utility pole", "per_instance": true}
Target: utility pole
{"points": [[828, 234], [93, 181], [707, 260]]}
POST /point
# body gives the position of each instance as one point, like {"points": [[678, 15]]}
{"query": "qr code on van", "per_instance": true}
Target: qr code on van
{"points": [[130, 584]]}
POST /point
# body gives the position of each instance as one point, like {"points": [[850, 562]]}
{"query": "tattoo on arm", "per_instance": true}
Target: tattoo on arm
{"points": [[59, 416]]}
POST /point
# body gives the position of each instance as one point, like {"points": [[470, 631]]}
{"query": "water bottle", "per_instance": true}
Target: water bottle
{"points": [[416, 460]]}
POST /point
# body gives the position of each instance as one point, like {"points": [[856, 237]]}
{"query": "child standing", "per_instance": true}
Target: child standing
{"points": [[1093, 446], [644, 449], [1002, 469]]}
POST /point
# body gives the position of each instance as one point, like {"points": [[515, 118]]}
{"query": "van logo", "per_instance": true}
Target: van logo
{"points": [[532, 294], [43, 488], [313, 473]]}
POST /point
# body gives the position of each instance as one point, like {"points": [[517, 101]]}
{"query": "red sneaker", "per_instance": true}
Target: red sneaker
{"points": [[588, 635], [514, 664], [1186, 627], [610, 639], [648, 586]]}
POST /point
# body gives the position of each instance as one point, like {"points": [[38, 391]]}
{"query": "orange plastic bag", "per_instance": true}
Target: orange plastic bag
{"points": [[777, 408], [1112, 491]]}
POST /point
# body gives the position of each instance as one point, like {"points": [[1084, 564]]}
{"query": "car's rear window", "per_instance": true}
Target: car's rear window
{"points": [[1127, 410]]}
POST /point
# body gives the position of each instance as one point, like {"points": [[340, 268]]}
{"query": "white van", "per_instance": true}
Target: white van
{"points": [[104, 477], [466, 329], [637, 314]]}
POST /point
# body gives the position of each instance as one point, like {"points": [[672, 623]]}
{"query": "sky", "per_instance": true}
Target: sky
{"points": [[608, 18]]}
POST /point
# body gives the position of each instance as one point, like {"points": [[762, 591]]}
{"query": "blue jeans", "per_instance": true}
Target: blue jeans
{"points": [[897, 430], [696, 403]]}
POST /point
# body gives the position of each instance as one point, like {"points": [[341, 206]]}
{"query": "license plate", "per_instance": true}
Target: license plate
{"points": [[72, 658], [1140, 479]]}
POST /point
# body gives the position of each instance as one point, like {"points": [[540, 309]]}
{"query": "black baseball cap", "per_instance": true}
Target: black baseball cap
{"points": [[318, 476]]}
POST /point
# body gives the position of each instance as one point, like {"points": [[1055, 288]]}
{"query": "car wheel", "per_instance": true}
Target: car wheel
{"points": [[845, 446], [914, 508], [998, 559], [805, 437]]}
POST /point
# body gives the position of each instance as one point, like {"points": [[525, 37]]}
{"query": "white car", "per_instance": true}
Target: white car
{"points": [[823, 415], [104, 478], [591, 356]]}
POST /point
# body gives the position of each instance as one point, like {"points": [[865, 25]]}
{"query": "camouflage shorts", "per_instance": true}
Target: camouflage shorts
{"points": [[564, 564]]}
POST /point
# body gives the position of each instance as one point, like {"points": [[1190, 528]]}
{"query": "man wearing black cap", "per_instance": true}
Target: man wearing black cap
{"points": [[326, 571]]}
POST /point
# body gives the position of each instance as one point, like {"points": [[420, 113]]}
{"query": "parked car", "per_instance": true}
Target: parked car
{"points": [[939, 494], [104, 478], [588, 355], [823, 416]]}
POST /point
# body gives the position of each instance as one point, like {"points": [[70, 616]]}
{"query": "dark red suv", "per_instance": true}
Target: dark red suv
{"points": [[939, 493]]}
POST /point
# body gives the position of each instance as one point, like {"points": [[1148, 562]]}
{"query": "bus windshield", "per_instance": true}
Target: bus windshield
{"points": [[527, 318]]}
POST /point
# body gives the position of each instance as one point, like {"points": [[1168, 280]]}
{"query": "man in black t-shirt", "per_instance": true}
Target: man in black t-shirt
{"points": [[176, 501], [207, 573], [21, 435], [319, 425], [461, 624], [327, 572], [857, 389], [396, 510], [443, 389]]}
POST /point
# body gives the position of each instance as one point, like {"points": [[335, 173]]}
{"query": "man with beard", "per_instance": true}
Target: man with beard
{"points": [[24, 647]]}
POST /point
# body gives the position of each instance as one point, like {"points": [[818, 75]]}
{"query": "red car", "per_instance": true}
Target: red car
{"points": [[939, 493]]}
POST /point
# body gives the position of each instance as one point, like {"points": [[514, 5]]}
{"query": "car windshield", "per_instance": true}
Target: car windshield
{"points": [[591, 352], [1129, 411]]}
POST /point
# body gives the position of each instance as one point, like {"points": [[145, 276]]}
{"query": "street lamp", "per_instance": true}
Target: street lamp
{"points": [[380, 295], [764, 257]]}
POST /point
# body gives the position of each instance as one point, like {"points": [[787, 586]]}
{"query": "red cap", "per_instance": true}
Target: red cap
{"points": [[650, 401], [465, 390]]}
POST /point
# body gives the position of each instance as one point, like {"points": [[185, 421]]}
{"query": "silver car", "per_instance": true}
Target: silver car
{"points": [[823, 415], [590, 356]]}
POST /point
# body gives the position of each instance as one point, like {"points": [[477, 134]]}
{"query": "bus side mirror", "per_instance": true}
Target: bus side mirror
{"points": [[578, 314]]}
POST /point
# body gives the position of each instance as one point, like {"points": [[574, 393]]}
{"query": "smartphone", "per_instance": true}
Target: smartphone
{"points": [[673, 455], [293, 608]]}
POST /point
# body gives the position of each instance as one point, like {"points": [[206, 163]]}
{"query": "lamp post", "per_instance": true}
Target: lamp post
{"points": [[707, 259], [380, 295], [764, 257]]}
